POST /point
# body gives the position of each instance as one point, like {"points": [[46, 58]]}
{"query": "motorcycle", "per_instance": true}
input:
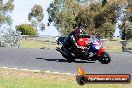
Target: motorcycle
{"points": [[92, 50]]}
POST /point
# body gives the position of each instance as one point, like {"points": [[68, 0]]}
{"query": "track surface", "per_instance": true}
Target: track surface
{"points": [[51, 60]]}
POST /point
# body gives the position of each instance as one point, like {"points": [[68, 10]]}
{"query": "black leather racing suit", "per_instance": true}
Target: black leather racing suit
{"points": [[70, 42]]}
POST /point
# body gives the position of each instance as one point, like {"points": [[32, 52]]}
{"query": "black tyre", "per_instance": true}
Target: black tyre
{"points": [[68, 58], [81, 80], [105, 58]]}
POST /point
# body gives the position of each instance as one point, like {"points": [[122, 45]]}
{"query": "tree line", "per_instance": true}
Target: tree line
{"points": [[97, 16]]}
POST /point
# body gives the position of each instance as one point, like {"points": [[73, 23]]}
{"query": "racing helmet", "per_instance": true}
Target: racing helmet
{"points": [[79, 30]]}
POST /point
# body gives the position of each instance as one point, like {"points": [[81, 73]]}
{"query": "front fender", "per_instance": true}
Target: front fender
{"points": [[100, 51]]}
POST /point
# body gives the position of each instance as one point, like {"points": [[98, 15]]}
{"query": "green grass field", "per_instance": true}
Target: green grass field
{"points": [[111, 46], [10, 78], [36, 44]]}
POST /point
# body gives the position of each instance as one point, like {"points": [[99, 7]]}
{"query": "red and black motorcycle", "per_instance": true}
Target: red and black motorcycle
{"points": [[93, 50]]}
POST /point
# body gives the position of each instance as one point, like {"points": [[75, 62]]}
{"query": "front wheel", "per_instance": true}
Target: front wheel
{"points": [[104, 58]]}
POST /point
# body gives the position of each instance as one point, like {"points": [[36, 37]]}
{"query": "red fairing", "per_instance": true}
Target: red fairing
{"points": [[83, 41], [100, 51]]}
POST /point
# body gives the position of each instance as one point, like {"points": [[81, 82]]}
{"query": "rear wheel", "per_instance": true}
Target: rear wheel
{"points": [[104, 58], [70, 60]]}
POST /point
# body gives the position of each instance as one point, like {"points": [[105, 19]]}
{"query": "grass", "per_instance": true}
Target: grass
{"points": [[110, 46], [113, 46], [36, 44], [10, 78], [129, 45]]}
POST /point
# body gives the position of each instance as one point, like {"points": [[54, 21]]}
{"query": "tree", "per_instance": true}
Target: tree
{"points": [[36, 16], [107, 30], [129, 34], [67, 14], [126, 7], [127, 10], [10, 38], [62, 13], [104, 2], [128, 31], [5, 9], [26, 29]]}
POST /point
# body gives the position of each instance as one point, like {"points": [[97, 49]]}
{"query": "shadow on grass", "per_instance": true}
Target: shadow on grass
{"points": [[64, 60]]}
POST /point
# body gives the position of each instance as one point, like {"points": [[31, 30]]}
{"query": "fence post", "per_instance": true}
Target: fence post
{"points": [[49, 42], [124, 44]]}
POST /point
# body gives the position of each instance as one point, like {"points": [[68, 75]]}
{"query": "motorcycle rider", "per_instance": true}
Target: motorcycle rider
{"points": [[70, 42]]}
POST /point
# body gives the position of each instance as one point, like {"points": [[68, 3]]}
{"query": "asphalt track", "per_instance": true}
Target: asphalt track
{"points": [[51, 60]]}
